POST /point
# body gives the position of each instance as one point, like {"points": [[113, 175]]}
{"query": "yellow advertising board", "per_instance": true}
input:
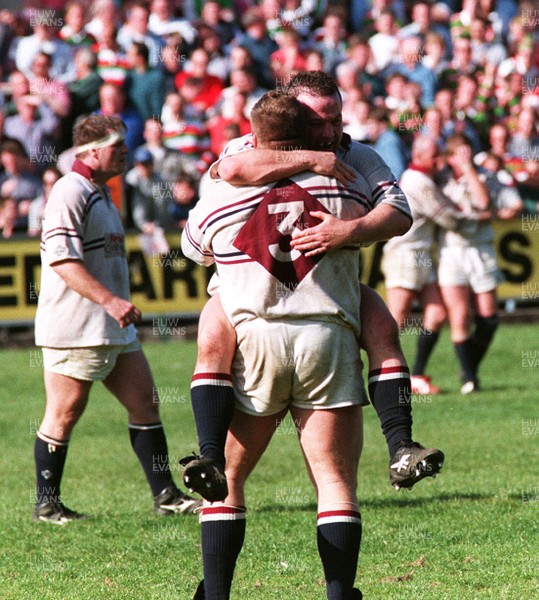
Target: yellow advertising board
{"points": [[173, 285], [168, 284]]}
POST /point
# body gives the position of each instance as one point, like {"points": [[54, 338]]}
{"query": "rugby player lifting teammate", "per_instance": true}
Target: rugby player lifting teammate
{"points": [[389, 215], [297, 321]]}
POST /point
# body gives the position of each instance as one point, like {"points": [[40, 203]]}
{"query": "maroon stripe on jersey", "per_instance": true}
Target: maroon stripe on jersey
{"points": [[234, 262], [345, 196], [229, 206], [91, 196], [193, 243], [65, 234], [384, 184], [336, 188], [49, 231], [383, 187]]}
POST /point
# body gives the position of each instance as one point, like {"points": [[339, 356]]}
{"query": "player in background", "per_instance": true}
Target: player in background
{"points": [[409, 263], [85, 323], [468, 272], [389, 382], [297, 321]]}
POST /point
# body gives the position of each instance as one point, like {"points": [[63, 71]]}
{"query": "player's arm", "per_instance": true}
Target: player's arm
{"points": [[389, 217], [381, 223], [79, 279], [437, 207], [478, 189], [261, 166], [194, 244]]}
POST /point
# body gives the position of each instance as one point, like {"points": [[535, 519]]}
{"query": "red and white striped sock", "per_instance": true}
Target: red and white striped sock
{"points": [[223, 532], [339, 540]]}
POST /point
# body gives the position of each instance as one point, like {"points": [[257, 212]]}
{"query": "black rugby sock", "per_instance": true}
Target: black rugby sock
{"points": [[339, 540], [222, 533], [50, 456], [212, 398], [390, 393], [465, 354], [485, 328], [150, 446], [425, 345]]}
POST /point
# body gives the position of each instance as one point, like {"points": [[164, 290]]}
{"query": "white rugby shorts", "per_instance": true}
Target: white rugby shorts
{"points": [[307, 364], [93, 363], [408, 269], [473, 266]]}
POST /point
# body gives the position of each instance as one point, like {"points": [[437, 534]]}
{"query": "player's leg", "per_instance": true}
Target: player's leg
{"points": [[212, 399], [484, 278], [390, 394], [389, 378], [434, 316], [399, 303], [223, 523], [66, 400], [331, 441], [486, 323], [457, 299], [132, 384]]}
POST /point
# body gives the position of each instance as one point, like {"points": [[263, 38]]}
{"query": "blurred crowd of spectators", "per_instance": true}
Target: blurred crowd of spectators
{"points": [[184, 75]]}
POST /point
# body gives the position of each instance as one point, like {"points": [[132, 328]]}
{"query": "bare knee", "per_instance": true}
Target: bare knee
{"points": [[435, 316], [59, 420], [144, 408], [459, 321], [379, 331]]}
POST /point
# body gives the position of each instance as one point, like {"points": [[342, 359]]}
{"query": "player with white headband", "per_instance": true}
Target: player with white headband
{"points": [[85, 323]]}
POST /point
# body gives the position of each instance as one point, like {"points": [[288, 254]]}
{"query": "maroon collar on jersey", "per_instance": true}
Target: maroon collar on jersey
{"points": [[82, 169], [420, 169]]}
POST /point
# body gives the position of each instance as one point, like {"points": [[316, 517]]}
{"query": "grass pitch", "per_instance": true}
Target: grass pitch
{"points": [[471, 533]]}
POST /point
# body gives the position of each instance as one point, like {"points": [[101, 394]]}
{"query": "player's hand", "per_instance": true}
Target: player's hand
{"points": [[148, 228], [327, 163], [123, 311], [330, 234]]}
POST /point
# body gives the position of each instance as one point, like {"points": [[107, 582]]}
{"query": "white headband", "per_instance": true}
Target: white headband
{"points": [[109, 140]]}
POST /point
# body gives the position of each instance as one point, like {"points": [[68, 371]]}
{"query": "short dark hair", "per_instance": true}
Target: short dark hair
{"points": [[96, 127], [277, 117], [13, 147], [142, 50], [315, 83]]}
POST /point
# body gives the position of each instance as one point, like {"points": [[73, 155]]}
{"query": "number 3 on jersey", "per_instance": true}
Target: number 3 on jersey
{"points": [[267, 234], [286, 225]]}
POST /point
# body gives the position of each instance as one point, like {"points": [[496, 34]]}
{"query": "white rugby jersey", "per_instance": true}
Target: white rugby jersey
{"points": [[430, 209], [473, 232], [81, 223], [246, 231], [381, 181]]}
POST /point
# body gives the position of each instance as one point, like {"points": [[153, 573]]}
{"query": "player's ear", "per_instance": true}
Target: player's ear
{"points": [[255, 140]]}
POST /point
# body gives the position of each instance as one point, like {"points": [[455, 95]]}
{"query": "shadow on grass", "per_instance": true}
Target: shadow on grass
{"points": [[388, 502]]}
